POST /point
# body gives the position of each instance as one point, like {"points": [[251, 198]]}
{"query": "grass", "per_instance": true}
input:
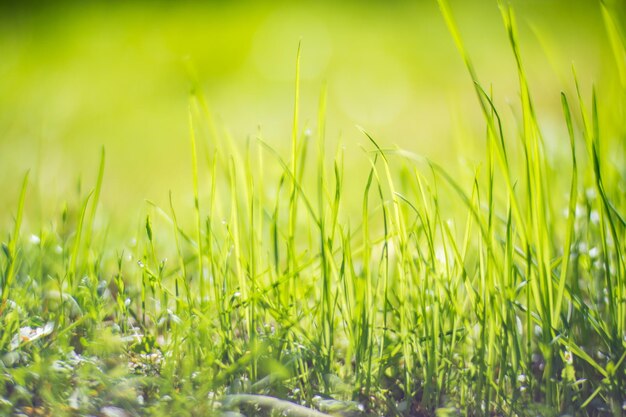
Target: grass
{"points": [[504, 294]]}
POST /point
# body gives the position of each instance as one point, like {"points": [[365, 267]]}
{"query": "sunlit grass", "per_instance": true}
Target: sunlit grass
{"points": [[502, 292]]}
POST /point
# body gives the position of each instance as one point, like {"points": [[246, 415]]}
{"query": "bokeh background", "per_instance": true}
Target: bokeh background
{"points": [[76, 76]]}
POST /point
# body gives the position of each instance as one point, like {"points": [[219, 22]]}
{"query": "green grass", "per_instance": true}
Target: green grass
{"points": [[499, 292]]}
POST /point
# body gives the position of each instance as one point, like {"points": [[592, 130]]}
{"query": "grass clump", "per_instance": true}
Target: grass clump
{"points": [[425, 297]]}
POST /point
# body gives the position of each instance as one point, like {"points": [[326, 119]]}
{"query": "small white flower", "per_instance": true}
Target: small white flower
{"points": [[568, 357]]}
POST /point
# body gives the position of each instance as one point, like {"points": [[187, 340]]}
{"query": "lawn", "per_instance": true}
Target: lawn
{"points": [[364, 209]]}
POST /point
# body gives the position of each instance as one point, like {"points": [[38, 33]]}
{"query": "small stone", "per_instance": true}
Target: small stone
{"points": [[113, 412]]}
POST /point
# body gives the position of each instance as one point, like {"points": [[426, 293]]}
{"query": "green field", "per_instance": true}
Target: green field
{"points": [[313, 209]]}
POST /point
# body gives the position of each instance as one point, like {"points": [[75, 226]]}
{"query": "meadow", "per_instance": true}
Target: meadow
{"points": [[391, 210]]}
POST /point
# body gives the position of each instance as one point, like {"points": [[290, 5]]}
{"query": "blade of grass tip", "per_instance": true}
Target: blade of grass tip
{"points": [[326, 312], [481, 94], [294, 143], [204, 106], [274, 225], [293, 199], [383, 264], [591, 132], [509, 300], [531, 126], [613, 279], [338, 170], [321, 133], [462, 195], [304, 146], [571, 215], [321, 154], [287, 173], [460, 272], [538, 208], [196, 92], [383, 269], [196, 201], [495, 135], [77, 239], [459, 258], [261, 206], [150, 241], [494, 114], [181, 260], [210, 250], [456, 36], [369, 301], [392, 188], [531, 133], [96, 200], [582, 108], [170, 220], [233, 227], [402, 278], [490, 179], [616, 38], [252, 264], [428, 218], [487, 108], [12, 245], [296, 103]]}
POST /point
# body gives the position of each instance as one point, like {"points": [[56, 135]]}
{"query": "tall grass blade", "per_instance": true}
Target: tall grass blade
{"points": [[11, 251]]}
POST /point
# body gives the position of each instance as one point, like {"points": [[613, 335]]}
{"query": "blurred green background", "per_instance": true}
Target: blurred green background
{"points": [[75, 76]]}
